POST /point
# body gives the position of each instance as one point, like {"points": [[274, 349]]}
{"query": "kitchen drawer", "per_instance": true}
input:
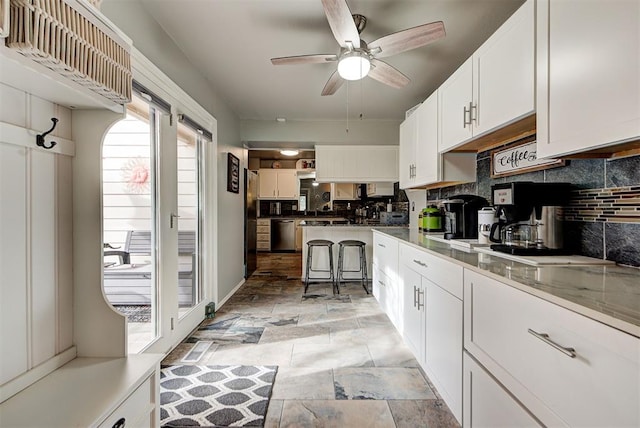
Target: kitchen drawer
{"points": [[264, 229], [263, 237], [437, 270], [263, 245], [136, 408], [385, 255], [599, 386], [264, 222]]}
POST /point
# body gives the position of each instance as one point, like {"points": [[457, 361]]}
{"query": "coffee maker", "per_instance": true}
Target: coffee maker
{"points": [[461, 216], [530, 218]]}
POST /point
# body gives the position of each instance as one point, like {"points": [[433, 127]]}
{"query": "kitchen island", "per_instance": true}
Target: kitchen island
{"points": [[336, 231]]}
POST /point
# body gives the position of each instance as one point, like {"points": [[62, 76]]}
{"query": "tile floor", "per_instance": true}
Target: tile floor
{"points": [[341, 362]]}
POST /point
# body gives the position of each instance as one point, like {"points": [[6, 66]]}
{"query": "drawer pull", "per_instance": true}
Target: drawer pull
{"points": [[383, 246], [119, 423], [420, 263], [381, 283], [569, 352]]}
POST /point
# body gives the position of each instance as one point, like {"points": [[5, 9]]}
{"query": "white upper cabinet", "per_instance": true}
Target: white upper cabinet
{"points": [[494, 87], [356, 164], [277, 184], [408, 141], [421, 164], [343, 191], [588, 75]]}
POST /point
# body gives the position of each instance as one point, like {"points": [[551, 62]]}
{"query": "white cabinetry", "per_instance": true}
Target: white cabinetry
{"points": [[95, 392], [277, 184], [386, 288], [487, 403], [588, 68], [421, 163], [343, 191], [565, 368], [380, 189], [432, 319], [356, 164], [492, 88], [412, 310]]}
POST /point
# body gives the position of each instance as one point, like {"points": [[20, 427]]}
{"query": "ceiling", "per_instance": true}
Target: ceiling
{"points": [[232, 41]]}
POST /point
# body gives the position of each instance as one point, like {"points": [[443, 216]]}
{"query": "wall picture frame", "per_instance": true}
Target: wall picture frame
{"points": [[233, 173]]}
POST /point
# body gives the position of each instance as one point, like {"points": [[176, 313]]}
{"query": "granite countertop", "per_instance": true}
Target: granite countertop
{"points": [[607, 293]]}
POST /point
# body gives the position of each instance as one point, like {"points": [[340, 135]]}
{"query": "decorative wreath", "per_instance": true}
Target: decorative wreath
{"points": [[136, 175]]}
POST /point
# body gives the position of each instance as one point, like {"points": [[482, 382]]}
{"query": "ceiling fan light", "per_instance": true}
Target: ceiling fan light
{"points": [[289, 152], [354, 66]]}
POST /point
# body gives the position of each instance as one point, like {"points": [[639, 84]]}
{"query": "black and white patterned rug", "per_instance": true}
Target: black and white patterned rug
{"points": [[218, 396]]}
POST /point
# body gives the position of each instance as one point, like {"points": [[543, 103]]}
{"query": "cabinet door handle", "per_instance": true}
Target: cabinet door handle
{"points": [[420, 305], [420, 263], [464, 116], [120, 423], [569, 352], [415, 290], [473, 117]]}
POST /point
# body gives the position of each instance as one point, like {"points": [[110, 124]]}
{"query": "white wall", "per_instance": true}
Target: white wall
{"points": [[36, 284]]}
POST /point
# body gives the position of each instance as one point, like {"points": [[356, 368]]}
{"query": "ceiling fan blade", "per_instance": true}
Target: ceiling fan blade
{"points": [[408, 39], [341, 22], [384, 73], [333, 84], [304, 59]]}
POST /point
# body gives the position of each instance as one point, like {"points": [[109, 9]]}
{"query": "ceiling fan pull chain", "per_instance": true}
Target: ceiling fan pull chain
{"points": [[348, 107]]}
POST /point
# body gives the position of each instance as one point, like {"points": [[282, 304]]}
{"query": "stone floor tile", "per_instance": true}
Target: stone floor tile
{"points": [[325, 414], [303, 384], [331, 356], [392, 355], [381, 383], [367, 335], [374, 319], [267, 320], [337, 321], [306, 334], [270, 354], [274, 411], [299, 308], [422, 413]]}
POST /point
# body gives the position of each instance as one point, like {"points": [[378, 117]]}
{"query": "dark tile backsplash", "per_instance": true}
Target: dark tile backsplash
{"points": [[605, 208]]}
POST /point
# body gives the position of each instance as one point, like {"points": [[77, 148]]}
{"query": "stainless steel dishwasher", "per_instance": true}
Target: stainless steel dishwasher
{"points": [[283, 235]]}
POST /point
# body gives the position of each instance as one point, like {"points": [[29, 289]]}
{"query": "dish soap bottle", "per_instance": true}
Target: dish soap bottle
{"points": [[389, 206]]}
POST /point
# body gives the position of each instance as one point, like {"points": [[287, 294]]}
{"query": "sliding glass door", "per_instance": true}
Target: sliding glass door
{"points": [[130, 191]]}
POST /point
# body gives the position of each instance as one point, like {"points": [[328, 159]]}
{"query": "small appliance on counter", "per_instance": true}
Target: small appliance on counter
{"points": [[394, 217], [431, 219], [530, 218], [487, 216], [461, 216], [275, 208]]}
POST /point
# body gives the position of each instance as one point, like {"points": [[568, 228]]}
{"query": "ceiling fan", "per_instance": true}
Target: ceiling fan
{"points": [[357, 58]]}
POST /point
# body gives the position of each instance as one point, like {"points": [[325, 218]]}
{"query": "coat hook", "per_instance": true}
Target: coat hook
{"points": [[40, 137]]}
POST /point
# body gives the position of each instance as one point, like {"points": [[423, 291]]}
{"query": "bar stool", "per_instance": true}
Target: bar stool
{"points": [[320, 243], [363, 262]]}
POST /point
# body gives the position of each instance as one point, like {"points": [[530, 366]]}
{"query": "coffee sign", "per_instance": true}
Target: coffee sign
{"points": [[519, 159]]}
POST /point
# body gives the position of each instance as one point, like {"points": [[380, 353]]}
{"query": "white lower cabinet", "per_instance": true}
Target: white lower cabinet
{"points": [[564, 367], [386, 292], [413, 312], [487, 403], [432, 319], [443, 354]]}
